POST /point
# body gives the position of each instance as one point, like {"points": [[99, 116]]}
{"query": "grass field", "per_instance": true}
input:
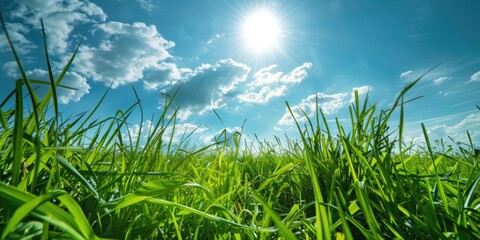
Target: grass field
{"points": [[77, 178]]}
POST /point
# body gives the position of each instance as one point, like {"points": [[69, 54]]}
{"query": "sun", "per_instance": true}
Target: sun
{"points": [[261, 31]]}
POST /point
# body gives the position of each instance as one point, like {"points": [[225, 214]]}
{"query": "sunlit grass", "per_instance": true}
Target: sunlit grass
{"points": [[79, 178]]}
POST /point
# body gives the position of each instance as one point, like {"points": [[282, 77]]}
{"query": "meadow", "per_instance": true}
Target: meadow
{"points": [[77, 178]]}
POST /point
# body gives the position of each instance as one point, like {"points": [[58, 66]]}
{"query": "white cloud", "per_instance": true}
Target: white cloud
{"points": [[268, 84], [265, 76], [74, 80], [298, 74], [11, 68], [474, 78], [328, 103], [125, 52], [458, 131], [164, 74], [181, 132], [362, 91], [60, 18], [146, 4], [406, 74], [223, 136], [215, 38], [264, 95], [208, 86], [184, 131], [440, 80], [136, 131], [17, 34], [183, 114], [443, 93], [71, 79]]}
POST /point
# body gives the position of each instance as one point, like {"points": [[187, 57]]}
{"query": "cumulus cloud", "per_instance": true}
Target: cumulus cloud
{"points": [[60, 18], [125, 52], [329, 103], [71, 79], [406, 74], [74, 80], [265, 76], [208, 87], [474, 78], [164, 74], [268, 84], [440, 80]]}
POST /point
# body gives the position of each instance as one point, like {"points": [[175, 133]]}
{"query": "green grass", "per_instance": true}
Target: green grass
{"points": [[78, 179]]}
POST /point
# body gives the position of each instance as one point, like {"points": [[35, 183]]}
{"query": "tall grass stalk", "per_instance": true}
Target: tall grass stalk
{"points": [[86, 178]]}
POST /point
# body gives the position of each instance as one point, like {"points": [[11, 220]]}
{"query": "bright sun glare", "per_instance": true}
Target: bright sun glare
{"points": [[261, 31]]}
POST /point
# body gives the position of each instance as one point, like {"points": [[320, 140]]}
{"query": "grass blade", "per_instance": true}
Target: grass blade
{"points": [[76, 225], [283, 230]]}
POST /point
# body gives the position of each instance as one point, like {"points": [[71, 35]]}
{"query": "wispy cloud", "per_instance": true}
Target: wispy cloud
{"points": [[443, 93], [453, 125], [406, 74], [437, 75], [474, 78], [215, 38], [268, 84], [264, 95], [17, 34], [458, 131], [329, 103], [123, 54], [440, 80], [297, 75], [146, 4]]}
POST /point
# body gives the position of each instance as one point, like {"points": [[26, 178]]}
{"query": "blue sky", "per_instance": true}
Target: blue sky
{"points": [[307, 48]]}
